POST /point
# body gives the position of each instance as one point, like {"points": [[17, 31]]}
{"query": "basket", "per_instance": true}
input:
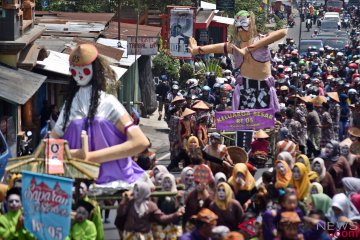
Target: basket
{"points": [[238, 154]]}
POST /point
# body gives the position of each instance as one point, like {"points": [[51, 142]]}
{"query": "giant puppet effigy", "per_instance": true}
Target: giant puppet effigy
{"points": [[112, 137], [255, 86]]}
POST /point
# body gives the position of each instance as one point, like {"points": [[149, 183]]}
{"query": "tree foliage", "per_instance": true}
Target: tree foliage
{"points": [[165, 64], [186, 72]]}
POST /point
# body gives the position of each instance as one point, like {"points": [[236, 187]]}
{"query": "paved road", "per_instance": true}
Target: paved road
{"points": [[157, 132]]}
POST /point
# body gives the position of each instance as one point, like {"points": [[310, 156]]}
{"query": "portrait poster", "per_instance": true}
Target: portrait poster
{"points": [[181, 29]]}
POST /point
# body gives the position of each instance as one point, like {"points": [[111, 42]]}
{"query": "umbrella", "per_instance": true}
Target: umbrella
{"points": [[73, 167]]}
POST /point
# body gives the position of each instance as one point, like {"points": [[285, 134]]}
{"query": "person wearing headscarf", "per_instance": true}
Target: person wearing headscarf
{"points": [[304, 160], [229, 211], [12, 223], [287, 157], [341, 206], [187, 178], [136, 213], [301, 181], [319, 201], [200, 197], [345, 151], [313, 176], [243, 184], [355, 199], [326, 180], [83, 227], [168, 205], [158, 173], [351, 185], [220, 177], [283, 174], [316, 188], [338, 166]]}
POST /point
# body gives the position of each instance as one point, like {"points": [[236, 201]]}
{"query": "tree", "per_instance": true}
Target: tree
{"points": [[165, 64]]}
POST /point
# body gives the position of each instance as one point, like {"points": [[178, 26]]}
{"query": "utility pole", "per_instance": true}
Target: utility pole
{"points": [[301, 13]]}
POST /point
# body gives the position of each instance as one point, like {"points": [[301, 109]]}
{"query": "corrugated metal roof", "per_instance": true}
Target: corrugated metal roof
{"points": [[56, 62], [47, 16], [125, 61], [204, 16], [55, 43], [128, 29], [18, 85]]}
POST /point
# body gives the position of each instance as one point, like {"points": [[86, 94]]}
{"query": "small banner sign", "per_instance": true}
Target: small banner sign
{"points": [[252, 119], [225, 5], [144, 45], [54, 153], [47, 205]]}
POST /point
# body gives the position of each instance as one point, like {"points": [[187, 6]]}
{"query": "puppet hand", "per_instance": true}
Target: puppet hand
{"points": [[180, 211], [80, 154], [192, 46]]}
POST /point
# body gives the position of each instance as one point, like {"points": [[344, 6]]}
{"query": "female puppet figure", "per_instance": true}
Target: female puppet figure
{"points": [[255, 85], [283, 175], [113, 137], [301, 181]]}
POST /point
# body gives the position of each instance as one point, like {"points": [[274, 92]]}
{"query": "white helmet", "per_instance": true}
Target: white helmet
{"points": [[352, 91], [192, 82], [339, 54], [221, 80], [288, 69]]}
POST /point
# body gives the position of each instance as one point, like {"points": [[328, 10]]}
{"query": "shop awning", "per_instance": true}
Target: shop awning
{"points": [[18, 85], [55, 62], [223, 20]]}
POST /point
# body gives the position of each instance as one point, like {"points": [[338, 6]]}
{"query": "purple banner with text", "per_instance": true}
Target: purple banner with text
{"points": [[252, 119]]}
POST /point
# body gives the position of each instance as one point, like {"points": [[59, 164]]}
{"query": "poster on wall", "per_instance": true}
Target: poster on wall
{"points": [[181, 29], [47, 205]]}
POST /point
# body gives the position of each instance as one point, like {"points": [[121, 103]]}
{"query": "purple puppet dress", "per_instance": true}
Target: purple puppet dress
{"points": [[114, 175]]}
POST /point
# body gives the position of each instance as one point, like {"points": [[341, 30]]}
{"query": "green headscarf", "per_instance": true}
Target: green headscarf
{"points": [[321, 202]]}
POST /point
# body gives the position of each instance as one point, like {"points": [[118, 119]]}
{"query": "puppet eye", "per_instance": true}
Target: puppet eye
{"points": [[73, 72], [87, 71]]}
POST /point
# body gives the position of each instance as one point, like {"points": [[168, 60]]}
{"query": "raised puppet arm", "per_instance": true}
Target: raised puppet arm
{"points": [[271, 38], [212, 48]]}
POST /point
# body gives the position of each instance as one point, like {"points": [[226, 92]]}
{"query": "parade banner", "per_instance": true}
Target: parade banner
{"points": [[55, 156], [47, 203], [252, 119], [181, 29], [144, 45]]}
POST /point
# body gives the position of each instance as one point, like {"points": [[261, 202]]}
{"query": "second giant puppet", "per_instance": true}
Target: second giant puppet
{"points": [[112, 136], [255, 88]]}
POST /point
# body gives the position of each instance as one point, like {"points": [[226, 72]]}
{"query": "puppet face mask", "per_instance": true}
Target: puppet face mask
{"points": [[329, 150], [221, 193], [242, 23], [167, 184], [81, 214], [296, 173], [82, 74], [14, 202], [281, 168]]}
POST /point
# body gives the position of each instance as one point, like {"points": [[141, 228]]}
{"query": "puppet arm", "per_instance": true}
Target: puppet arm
{"points": [[265, 41], [135, 144], [212, 48]]}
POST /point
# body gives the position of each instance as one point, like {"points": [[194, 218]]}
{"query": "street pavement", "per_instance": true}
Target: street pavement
{"points": [[157, 131]]}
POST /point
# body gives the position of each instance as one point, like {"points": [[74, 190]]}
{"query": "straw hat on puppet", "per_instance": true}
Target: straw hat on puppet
{"points": [[187, 112], [200, 106], [334, 96], [318, 101], [261, 134], [83, 54], [178, 99]]}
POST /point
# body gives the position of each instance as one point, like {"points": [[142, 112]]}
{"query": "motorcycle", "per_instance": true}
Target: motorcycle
{"points": [[345, 23], [308, 24], [25, 145]]}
